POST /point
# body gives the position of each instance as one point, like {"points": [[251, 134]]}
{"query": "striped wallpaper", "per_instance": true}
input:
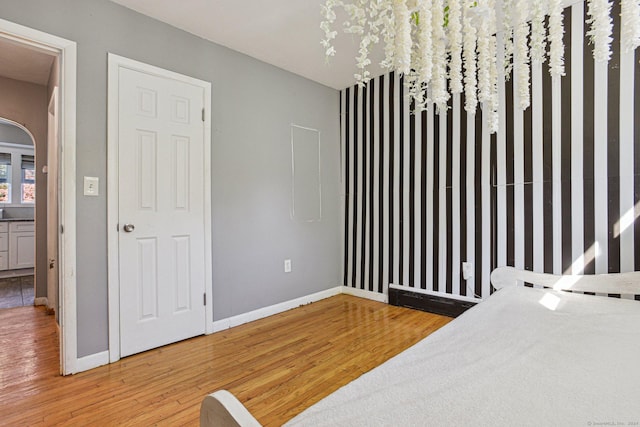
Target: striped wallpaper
{"points": [[557, 189]]}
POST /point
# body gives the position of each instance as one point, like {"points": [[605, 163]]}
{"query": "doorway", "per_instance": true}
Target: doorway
{"points": [[41, 64], [17, 203]]}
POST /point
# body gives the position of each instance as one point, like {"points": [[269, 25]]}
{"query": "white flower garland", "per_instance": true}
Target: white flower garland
{"points": [[388, 23], [538, 32], [415, 87], [470, 80], [403, 37], [507, 7], [493, 118], [425, 69], [414, 33], [630, 32], [439, 80], [329, 34], [493, 102], [455, 41], [484, 64], [521, 53], [599, 12], [556, 32]]}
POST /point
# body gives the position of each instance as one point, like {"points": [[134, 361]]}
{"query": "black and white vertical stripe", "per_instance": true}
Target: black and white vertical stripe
{"points": [[557, 189]]}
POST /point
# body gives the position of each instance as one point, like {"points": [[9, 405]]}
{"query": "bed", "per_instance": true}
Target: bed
{"points": [[524, 356]]}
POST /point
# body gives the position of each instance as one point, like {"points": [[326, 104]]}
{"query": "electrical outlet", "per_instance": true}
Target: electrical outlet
{"points": [[467, 270], [287, 266]]}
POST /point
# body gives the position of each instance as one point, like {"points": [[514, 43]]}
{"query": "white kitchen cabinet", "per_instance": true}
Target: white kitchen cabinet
{"points": [[4, 245], [21, 244]]}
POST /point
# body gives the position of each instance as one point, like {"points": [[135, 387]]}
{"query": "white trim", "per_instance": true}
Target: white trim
{"points": [[361, 293], [261, 313], [41, 301], [115, 62], [433, 293], [66, 51], [92, 361]]}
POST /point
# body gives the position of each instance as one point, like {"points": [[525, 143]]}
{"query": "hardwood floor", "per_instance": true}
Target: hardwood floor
{"points": [[276, 366]]}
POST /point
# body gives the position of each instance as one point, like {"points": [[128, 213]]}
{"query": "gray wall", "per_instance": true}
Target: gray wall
{"points": [[253, 105], [13, 134]]}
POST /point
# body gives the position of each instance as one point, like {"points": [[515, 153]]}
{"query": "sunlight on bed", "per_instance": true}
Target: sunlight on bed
{"points": [[565, 282], [550, 301]]}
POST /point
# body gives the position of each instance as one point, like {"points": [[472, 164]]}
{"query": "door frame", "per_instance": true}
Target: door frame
{"points": [[115, 62], [65, 50], [53, 226]]}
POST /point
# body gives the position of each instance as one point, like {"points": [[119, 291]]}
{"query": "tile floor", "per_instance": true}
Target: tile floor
{"points": [[16, 291]]}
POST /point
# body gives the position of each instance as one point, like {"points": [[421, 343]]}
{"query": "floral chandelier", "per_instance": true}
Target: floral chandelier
{"points": [[445, 47]]}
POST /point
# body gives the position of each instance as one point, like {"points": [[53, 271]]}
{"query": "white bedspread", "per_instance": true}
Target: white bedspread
{"points": [[510, 361]]}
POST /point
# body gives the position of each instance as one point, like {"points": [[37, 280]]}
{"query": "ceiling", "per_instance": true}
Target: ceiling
{"points": [[284, 33], [24, 63]]}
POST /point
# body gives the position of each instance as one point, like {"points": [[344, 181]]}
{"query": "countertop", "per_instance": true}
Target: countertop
{"points": [[15, 219]]}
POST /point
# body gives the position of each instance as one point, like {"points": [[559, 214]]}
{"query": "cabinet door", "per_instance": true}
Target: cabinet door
{"points": [[4, 261], [21, 250], [4, 242]]}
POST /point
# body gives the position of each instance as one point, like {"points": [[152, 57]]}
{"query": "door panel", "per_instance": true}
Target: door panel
{"points": [[161, 195]]}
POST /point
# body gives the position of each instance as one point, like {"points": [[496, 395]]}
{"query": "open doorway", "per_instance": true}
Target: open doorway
{"points": [[17, 215], [37, 69]]}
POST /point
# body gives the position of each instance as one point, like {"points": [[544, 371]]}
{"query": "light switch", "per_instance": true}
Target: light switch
{"points": [[91, 186]]}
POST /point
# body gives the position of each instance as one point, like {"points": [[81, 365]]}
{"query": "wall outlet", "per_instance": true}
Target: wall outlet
{"points": [[467, 270], [287, 266]]}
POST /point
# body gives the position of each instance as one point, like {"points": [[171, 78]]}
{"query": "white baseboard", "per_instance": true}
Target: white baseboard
{"points": [[91, 361], [240, 319], [41, 301], [361, 293]]}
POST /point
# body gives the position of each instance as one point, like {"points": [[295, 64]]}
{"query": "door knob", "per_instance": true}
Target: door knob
{"points": [[129, 228]]}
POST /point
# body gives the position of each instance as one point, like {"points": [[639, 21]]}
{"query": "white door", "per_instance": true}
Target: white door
{"points": [[161, 211]]}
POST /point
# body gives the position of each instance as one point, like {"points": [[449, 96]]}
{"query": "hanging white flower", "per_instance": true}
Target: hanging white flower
{"points": [[630, 32], [403, 37], [601, 28], [470, 80], [329, 18], [521, 53], [439, 80], [492, 103], [538, 32], [556, 33], [484, 63], [507, 24], [387, 23], [425, 41], [455, 41], [413, 82]]}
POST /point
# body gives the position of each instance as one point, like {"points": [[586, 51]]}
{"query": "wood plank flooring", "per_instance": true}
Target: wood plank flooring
{"points": [[276, 366]]}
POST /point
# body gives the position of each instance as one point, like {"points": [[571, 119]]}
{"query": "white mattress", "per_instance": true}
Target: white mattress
{"points": [[509, 361]]}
